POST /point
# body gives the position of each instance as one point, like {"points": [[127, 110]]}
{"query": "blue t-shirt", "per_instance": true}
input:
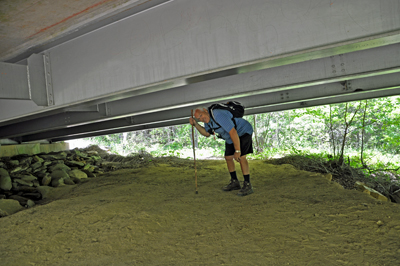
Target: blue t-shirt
{"points": [[224, 118]]}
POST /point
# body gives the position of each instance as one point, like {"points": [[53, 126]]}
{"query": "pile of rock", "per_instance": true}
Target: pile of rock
{"points": [[26, 179]]}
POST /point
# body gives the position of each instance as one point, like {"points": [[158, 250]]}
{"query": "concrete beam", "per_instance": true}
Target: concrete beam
{"points": [[31, 149]]}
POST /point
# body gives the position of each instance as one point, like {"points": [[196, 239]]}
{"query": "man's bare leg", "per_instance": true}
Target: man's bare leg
{"points": [[244, 164], [230, 163]]}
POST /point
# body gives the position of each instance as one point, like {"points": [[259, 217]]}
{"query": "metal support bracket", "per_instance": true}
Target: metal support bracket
{"points": [[104, 109], [338, 65], [346, 85], [13, 82], [31, 82], [49, 82], [39, 80], [284, 96]]}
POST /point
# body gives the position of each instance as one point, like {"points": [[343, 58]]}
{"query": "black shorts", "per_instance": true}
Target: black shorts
{"points": [[246, 146]]}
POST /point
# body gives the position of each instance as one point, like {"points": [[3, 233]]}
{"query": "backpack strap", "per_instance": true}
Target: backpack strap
{"points": [[210, 112]]}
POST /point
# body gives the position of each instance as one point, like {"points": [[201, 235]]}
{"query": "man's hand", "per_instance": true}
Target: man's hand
{"points": [[199, 128], [236, 143], [236, 156]]}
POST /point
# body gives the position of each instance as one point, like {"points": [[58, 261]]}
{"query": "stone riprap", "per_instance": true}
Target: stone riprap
{"points": [[26, 179]]}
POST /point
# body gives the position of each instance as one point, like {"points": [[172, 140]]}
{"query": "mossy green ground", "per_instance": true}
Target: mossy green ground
{"points": [[152, 216]]}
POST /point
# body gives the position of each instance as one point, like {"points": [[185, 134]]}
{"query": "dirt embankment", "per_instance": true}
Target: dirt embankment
{"points": [[152, 216]]}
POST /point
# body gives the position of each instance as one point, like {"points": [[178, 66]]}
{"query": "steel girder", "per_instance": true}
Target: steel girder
{"points": [[61, 136], [187, 53], [350, 90], [335, 69]]}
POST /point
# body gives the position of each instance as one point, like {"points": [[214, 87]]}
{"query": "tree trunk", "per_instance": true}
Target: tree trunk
{"points": [[277, 130], [331, 129], [290, 131], [346, 128], [362, 135], [255, 134]]}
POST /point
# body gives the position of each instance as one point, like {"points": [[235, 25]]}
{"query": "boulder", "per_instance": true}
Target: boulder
{"points": [[59, 174], [75, 163], [52, 157], [328, 177], [36, 165], [59, 166], [36, 183], [25, 202], [22, 182], [19, 168], [46, 180], [89, 168], [77, 174], [58, 177], [38, 159], [10, 206], [27, 177], [5, 180], [373, 193], [89, 174], [395, 193], [40, 174], [57, 182], [46, 163], [13, 162], [45, 191], [27, 160], [69, 181], [33, 195], [96, 158], [3, 213], [79, 153], [25, 189]]}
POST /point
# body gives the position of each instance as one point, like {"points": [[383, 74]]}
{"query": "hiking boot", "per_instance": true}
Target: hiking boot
{"points": [[246, 189], [233, 185]]}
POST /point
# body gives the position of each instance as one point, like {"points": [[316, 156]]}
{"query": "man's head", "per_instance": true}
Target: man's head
{"points": [[201, 114]]}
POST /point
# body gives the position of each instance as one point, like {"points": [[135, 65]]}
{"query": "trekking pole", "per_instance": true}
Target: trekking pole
{"points": [[194, 156]]}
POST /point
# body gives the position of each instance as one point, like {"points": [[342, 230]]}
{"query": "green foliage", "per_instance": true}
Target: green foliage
{"points": [[173, 146], [360, 131]]}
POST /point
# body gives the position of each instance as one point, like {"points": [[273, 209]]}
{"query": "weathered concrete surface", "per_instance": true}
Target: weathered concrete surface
{"points": [[27, 23], [31, 149]]}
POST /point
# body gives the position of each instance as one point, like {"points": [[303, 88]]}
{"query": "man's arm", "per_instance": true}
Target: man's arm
{"points": [[236, 143], [199, 128]]}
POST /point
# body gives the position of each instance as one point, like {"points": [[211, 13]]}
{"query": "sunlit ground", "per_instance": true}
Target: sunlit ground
{"points": [[371, 158], [204, 153], [78, 143]]}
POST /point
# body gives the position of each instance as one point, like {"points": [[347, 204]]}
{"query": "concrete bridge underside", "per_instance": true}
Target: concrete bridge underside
{"points": [[143, 64]]}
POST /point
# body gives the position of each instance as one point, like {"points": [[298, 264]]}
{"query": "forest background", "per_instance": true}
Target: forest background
{"points": [[359, 137], [363, 133]]}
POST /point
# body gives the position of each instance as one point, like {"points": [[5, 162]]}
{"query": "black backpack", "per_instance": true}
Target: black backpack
{"points": [[236, 109]]}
